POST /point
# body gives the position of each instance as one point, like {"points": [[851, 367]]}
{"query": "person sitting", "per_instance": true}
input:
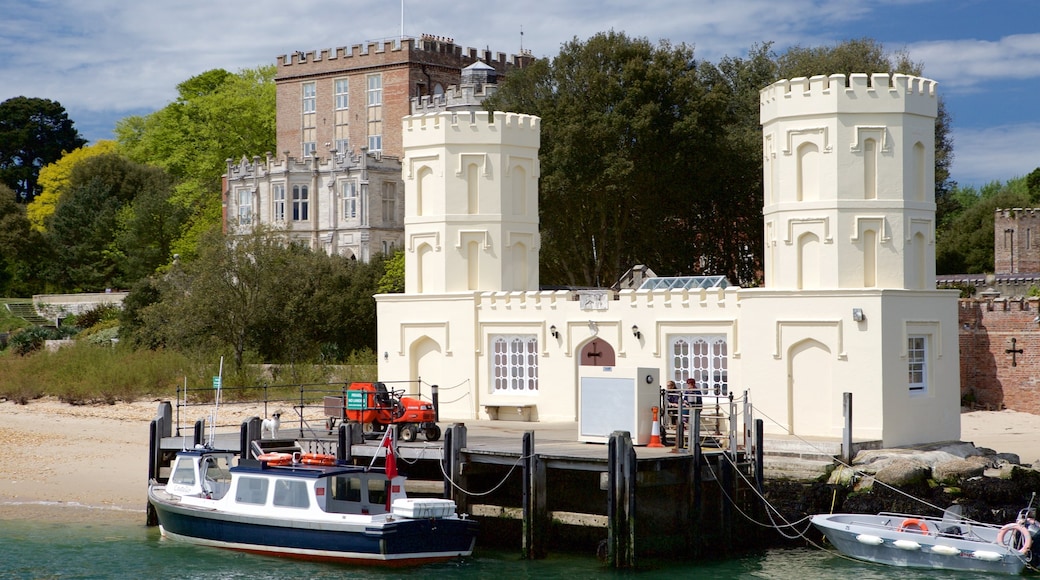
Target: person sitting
{"points": [[693, 394]]}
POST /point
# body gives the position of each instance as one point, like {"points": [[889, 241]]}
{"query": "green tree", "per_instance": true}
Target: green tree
{"points": [[54, 181], [633, 144], [217, 116], [113, 226], [1033, 185], [33, 133], [965, 245], [392, 280], [20, 249]]}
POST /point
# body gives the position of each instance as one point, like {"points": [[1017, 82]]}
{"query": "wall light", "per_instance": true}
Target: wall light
{"points": [[635, 331], [386, 356], [552, 331], [857, 315]]}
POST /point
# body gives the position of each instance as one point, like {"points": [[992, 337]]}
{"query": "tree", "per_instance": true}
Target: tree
{"points": [[631, 138], [1033, 185], [113, 226], [54, 181], [965, 245], [217, 116], [33, 133], [20, 249]]}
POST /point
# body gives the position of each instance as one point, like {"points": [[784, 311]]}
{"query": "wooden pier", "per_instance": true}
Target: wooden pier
{"points": [[534, 485]]}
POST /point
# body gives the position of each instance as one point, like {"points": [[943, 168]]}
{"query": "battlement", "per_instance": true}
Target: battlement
{"points": [[1017, 213], [441, 120], [456, 97], [359, 55], [859, 93], [258, 167]]}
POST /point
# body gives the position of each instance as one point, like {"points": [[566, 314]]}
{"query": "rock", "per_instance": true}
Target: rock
{"points": [[903, 472], [842, 475], [953, 471], [1009, 458]]}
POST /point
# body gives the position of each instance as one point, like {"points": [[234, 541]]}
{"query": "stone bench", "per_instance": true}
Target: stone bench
{"points": [[510, 412]]}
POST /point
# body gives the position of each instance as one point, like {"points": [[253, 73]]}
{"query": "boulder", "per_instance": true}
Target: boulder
{"points": [[955, 470], [903, 472]]}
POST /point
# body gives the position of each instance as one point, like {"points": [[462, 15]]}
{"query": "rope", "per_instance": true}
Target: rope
{"points": [[488, 492]]}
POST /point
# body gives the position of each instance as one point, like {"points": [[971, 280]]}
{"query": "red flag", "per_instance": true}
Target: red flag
{"points": [[391, 460]]}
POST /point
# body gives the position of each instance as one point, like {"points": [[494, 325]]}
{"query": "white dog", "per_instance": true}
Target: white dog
{"points": [[270, 426]]}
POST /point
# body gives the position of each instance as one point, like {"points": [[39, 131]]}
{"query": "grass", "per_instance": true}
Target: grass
{"points": [[85, 373]]}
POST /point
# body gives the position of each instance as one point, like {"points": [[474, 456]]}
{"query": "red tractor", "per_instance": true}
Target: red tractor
{"points": [[376, 408]]}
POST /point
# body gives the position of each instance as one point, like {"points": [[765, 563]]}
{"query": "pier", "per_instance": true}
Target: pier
{"points": [[535, 486]]}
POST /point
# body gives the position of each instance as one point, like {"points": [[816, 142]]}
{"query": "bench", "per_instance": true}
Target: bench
{"points": [[510, 412]]}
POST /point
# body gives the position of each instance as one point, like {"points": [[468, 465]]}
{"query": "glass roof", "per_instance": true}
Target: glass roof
{"points": [[685, 282]]}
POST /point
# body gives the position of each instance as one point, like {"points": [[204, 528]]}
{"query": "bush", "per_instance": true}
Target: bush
{"points": [[31, 339]]}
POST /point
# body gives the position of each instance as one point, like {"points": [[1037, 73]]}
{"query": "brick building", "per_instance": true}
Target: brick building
{"points": [[335, 183], [1000, 353]]}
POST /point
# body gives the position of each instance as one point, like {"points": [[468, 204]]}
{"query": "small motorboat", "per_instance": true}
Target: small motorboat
{"points": [[306, 506], [947, 543]]}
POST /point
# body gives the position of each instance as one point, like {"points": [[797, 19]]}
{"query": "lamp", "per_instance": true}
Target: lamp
{"points": [[635, 331], [386, 356], [857, 315], [552, 331]]}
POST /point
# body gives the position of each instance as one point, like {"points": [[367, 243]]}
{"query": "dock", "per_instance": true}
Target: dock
{"points": [[534, 485]]}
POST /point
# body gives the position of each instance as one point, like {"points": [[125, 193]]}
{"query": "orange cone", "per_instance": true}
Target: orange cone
{"points": [[655, 432]]}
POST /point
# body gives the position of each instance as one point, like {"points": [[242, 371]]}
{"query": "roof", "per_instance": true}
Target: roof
{"points": [[684, 283]]}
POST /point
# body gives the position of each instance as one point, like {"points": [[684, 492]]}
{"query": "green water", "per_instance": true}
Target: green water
{"points": [[50, 550]]}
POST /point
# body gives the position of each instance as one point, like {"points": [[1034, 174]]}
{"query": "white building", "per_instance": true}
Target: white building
{"points": [[849, 303]]}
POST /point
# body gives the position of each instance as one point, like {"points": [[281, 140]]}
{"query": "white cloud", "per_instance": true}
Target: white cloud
{"points": [[962, 65], [995, 153]]}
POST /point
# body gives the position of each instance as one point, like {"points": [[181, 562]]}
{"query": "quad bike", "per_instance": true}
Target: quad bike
{"points": [[376, 407]]}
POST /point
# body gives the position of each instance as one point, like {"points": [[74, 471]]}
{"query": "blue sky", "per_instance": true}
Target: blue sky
{"points": [[106, 59]]}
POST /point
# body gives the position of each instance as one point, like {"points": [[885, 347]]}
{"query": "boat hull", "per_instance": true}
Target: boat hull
{"points": [[880, 540], [399, 542]]}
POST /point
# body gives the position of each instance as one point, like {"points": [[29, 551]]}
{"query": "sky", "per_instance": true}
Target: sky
{"points": [[105, 60]]}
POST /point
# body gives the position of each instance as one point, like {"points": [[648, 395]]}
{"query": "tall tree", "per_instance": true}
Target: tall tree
{"points": [[628, 129], [21, 249], [54, 181], [33, 133], [217, 116]]}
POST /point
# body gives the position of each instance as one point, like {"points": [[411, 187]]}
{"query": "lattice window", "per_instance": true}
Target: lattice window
{"points": [[514, 361]]}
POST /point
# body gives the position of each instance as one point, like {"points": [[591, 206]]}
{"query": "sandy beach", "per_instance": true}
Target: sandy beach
{"points": [[84, 462]]}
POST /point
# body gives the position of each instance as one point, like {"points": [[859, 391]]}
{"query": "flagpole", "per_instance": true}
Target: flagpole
{"points": [[402, 19]]}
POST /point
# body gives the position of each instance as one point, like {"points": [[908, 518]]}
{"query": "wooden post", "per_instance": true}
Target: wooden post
{"points": [[458, 443], [535, 514], [436, 401], [846, 439], [621, 499], [695, 445], [759, 457], [343, 443]]}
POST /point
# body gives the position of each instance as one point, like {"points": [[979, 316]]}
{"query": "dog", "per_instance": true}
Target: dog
{"points": [[270, 426]]}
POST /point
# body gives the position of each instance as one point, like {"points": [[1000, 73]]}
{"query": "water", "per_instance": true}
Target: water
{"points": [[95, 547]]}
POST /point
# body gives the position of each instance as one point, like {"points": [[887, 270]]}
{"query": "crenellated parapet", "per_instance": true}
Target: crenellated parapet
{"points": [[456, 97], [862, 93], [680, 298], [445, 124], [375, 53]]}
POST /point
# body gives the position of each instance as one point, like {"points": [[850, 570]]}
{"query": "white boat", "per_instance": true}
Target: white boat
{"points": [[306, 506], [947, 543]]}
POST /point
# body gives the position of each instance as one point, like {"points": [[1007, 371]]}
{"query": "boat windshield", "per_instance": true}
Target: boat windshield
{"points": [[357, 494]]}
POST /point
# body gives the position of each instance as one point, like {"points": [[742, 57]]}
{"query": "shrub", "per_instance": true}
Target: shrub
{"points": [[31, 339]]}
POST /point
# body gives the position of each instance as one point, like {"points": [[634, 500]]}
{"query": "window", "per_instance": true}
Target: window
{"points": [[375, 90], [342, 94], [278, 202], [309, 147], [343, 145], [288, 493], [514, 364], [300, 203], [375, 142], [252, 490], [184, 474], [350, 200], [917, 363], [389, 203], [309, 97], [245, 207], [705, 359]]}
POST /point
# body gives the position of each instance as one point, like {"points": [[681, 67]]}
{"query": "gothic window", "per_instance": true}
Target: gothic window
{"points": [[514, 362]]}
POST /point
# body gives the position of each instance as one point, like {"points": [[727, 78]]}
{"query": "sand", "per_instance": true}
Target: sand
{"points": [[80, 463]]}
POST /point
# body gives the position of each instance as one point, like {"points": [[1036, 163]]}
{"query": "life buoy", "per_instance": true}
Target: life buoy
{"points": [[1019, 529], [275, 458], [910, 523], [317, 459]]}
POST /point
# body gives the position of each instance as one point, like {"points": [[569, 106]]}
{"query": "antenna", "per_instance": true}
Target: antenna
{"points": [[402, 19], [521, 37]]}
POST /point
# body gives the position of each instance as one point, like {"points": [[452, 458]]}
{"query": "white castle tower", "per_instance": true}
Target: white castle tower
{"points": [[849, 179], [471, 202]]}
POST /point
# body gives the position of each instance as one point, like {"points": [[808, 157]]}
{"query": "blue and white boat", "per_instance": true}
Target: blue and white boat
{"points": [[306, 506], [947, 543]]}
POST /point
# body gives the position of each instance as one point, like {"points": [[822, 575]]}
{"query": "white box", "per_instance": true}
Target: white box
{"points": [[423, 508], [617, 399]]}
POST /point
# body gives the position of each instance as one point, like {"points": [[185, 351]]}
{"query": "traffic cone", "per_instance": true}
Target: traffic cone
{"points": [[655, 432]]}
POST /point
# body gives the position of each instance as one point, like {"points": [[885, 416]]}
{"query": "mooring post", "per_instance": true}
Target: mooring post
{"points": [[725, 470], [621, 500], [458, 443], [695, 445], [343, 444], [436, 401], [846, 437], [535, 514], [759, 456]]}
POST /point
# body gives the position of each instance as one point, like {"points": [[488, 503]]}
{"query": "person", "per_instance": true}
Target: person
{"points": [[671, 394], [693, 394]]}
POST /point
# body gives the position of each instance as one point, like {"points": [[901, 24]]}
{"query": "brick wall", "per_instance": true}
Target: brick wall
{"points": [[989, 373]]}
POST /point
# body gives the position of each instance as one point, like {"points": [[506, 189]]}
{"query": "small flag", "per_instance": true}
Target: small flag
{"points": [[391, 460]]}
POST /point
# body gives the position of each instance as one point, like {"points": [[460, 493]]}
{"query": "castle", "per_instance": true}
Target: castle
{"points": [[849, 303], [335, 182]]}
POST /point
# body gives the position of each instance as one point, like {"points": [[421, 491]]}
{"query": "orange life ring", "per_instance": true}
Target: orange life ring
{"points": [[1027, 541], [318, 459], [908, 523], [275, 458]]}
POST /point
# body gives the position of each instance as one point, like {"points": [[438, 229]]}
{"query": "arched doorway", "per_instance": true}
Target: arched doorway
{"points": [[810, 409]]}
